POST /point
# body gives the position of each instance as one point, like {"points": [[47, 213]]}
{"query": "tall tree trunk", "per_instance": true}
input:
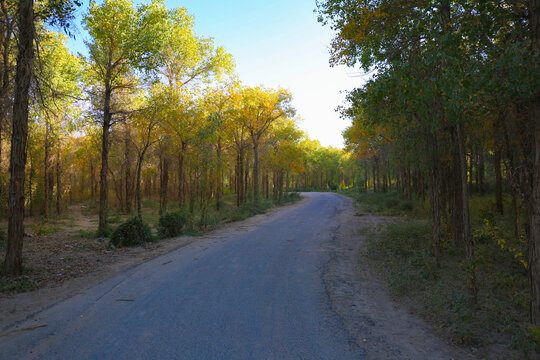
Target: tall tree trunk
{"points": [[374, 176], [30, 185], [255, 170], [46, 161], [240, 179], [280, 184], [408, 191], [164, 183], [6, 27], [457, 195], [466, 223], [138, 192], [58, 181], [534, 207], [103, 184], [481, 172], [128, 180], [23, 78], [471, 169], [366, 178], [246, 179], [498, 181], [378, 175], [92, 181], [181, 177], [71, 184], [192, 191], [219, 187], [434, 196]]}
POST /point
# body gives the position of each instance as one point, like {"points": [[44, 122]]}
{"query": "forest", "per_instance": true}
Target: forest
{"points": [[446, 130], [153, 112], [450, 117]]}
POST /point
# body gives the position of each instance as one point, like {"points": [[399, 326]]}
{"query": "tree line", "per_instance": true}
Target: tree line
{"points": [[153, 110], [453, 96]]}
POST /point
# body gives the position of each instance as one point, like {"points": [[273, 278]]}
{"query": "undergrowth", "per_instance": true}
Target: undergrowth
{"points": [[133, 232], [403, 252], [22, 283]]}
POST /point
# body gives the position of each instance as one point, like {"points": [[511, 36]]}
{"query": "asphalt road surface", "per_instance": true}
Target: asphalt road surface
{"points": [[253, 293]]}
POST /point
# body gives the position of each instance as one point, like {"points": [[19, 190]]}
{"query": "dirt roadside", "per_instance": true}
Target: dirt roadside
{"points": [[97, 266], [380, 325]]}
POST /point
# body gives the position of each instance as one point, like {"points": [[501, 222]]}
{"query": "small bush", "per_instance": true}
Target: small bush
{"points": [[172, 224], [133, 232], [44, 228], [293, 196]]}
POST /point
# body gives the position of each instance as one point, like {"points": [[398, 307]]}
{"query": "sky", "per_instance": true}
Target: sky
{"points": [[277, 43]]}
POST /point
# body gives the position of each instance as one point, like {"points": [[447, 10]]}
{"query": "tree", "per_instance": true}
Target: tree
{"points": [[56, 13], [259, 109], [57, 75], [449, 73], [123, 39]]}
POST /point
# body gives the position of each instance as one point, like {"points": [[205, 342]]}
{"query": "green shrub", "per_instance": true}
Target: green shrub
{"points": [[172, 224], [293, 196], [133, 232]]}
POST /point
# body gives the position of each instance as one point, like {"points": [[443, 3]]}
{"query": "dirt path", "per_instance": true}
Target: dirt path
{"points": [[380, 324]]}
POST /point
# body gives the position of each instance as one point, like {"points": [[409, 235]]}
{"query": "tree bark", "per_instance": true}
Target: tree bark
{"points": [[46, 185], [481, 172], [138, 194], [103, 184], [498, 181], [128, 180], [534, 202], [255, 170], [23, 78], [181, 177], [30, 182], [219, 187], [366, 179], [466, 222], [164, 183], [246, 179], [434, 196], [240, 178], [457, 195], [58, 181], [92, 181]]}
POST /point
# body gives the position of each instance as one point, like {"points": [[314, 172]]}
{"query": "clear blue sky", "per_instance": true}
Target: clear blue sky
{"points": [[277, 43]]}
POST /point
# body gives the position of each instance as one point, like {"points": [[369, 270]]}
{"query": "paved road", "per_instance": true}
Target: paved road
{"points": [[250, 294]]}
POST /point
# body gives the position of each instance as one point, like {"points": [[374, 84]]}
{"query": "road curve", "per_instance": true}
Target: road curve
{"points": [[251, 294]]}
